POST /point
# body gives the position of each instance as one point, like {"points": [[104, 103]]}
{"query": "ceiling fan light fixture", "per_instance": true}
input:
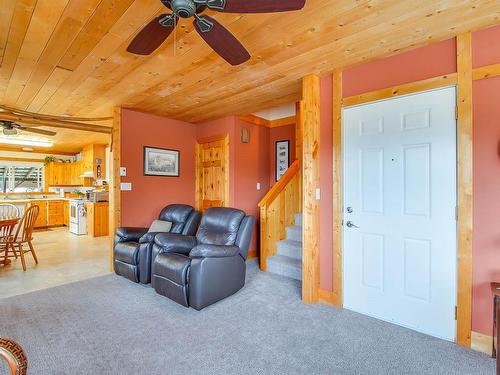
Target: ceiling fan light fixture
{"points": [[9, 131], [25, 142]]}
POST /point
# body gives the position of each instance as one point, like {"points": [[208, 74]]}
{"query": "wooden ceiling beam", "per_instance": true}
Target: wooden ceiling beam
{"points": [[54, 123]]}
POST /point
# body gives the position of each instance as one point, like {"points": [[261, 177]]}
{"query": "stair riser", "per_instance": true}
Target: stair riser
{"points": [[284, 270], [289, 250], [298, 219], [294, 234]]}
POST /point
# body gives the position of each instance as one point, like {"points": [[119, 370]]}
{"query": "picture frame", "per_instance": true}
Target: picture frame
{"points": [[282, 157], [161, 162]]}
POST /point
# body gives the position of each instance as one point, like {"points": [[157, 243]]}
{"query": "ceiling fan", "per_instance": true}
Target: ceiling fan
{"points": [[11, 128], [214, 34]]}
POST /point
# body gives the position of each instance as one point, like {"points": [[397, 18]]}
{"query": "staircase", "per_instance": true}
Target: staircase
{"points": [[288, 259]]}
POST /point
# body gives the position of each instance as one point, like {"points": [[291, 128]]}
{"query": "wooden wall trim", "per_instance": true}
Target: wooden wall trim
{"points": [[326, 296], [404, 89], [114, 181], [7, 158], [465, 186], [310, 178], [256, 120], [337, 190], [37, 151], [488, 71]]}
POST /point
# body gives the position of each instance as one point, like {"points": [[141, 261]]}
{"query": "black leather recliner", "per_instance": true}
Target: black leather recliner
{"points": [[199, 271], [133, 246]]}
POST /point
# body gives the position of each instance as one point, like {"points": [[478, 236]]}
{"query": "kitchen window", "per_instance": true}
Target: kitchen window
{"points": [[21, 178]]}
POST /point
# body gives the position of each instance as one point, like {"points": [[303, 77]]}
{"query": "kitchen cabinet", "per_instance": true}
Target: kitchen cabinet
{"points": [[41, 219], [68, 174], [51, 212], [97, 218], [66, 213], [55, 213]]}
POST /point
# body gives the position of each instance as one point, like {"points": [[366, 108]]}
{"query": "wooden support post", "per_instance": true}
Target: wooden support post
{"points": [[338, 200], [299, 131], [310, 115], [464, 152], [114, 182]]}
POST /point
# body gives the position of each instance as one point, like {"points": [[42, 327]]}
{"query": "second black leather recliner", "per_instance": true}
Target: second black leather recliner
{"points": [[199, 271], [133, 246]]}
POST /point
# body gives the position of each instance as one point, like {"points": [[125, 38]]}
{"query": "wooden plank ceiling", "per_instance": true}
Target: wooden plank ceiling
{"points": [[68, 56]]}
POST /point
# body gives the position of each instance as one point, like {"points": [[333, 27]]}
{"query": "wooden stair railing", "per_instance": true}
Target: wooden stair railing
{"points": [[277, 211]]}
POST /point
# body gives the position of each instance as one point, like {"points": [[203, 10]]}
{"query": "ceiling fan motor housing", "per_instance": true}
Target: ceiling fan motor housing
{"points": [[184, 8]]}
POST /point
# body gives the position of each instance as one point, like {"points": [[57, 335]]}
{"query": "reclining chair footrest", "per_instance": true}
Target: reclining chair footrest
{"points": [[171, 277]]}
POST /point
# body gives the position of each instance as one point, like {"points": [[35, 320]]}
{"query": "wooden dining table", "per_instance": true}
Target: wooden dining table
{"points": [[7, 225]]}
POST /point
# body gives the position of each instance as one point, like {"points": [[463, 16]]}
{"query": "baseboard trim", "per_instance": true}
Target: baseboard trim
{"points": [[481, 342], [326, 296], [252, 254]]}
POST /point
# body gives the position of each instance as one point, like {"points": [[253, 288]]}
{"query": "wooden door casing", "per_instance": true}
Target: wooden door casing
{"points": [[212, 173]]}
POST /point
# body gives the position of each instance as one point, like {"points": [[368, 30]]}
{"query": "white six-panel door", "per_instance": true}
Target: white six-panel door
{"points": [[400, 252]]}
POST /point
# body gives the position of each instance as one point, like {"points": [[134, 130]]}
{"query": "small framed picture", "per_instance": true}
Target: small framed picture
{"points": [[161, 162], [282, 158]]}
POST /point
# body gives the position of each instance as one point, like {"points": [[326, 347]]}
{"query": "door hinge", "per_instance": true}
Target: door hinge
{"points": [[456, 112], [456, 312], [456, 213]]}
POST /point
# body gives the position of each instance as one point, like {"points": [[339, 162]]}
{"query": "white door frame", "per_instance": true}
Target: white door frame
{"points": [[343, 183]]}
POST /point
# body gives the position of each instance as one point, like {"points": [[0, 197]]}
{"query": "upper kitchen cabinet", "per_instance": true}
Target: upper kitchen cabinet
{"points": [[84, 172], [93, 160]]}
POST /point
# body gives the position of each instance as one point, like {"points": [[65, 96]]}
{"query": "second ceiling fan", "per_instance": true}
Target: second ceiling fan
{"points": [[216, 35]]}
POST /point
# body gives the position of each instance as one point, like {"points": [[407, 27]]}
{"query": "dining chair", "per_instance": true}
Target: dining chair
{"points": [[24, 235], [8, 210]]}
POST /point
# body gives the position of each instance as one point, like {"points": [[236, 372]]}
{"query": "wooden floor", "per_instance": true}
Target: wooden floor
{"points": [[63, 258]]}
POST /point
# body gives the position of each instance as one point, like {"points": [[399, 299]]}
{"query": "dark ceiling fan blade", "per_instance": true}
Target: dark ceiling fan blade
{"points": [[37, 131], [221, 40], [153, 35], [255, 6]]}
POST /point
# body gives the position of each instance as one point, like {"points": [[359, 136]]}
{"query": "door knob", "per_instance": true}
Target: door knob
{"points": [[351, 225]]}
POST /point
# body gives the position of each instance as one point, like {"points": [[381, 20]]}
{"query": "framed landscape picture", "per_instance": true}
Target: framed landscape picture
{"points": [[282, 158], [161, 162]]}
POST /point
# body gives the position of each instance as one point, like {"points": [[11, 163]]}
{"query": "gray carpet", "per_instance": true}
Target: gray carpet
{"points": [[108, 325]]}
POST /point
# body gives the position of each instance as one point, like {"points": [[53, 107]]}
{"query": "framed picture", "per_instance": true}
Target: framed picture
{"points": [[282, 158], [161, 162]]}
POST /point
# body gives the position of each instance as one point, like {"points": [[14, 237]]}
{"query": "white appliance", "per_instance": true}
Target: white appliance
{"points": [[77, 216], [400, 236]]}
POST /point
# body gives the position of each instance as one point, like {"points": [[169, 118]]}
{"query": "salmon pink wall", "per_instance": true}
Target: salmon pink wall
{"points": [[281, 133], [249, 164], [326, 182], [486, 234], [252, 166], [486, 238], [486, 49], [427, 62], [149, 194]]}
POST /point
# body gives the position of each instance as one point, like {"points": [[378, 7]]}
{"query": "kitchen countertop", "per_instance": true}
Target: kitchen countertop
{"points": [[24, 200]]}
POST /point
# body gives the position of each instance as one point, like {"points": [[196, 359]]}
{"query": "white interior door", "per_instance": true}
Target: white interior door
{"points": [[400, 252]]}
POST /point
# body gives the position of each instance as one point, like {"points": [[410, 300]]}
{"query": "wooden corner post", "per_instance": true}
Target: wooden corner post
{"points": [[338, 200], [464, 154], [310, 116], [114, 181]]}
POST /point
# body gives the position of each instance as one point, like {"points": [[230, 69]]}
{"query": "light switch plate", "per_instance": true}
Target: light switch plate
{"points": [[126, 186], [123, 171], [318, 194], [258, 185]]}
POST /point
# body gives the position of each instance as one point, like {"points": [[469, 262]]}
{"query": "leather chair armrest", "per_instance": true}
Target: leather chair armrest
{"points": [[124, 234], [214, 251], [148, 237], [174, 243]]}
